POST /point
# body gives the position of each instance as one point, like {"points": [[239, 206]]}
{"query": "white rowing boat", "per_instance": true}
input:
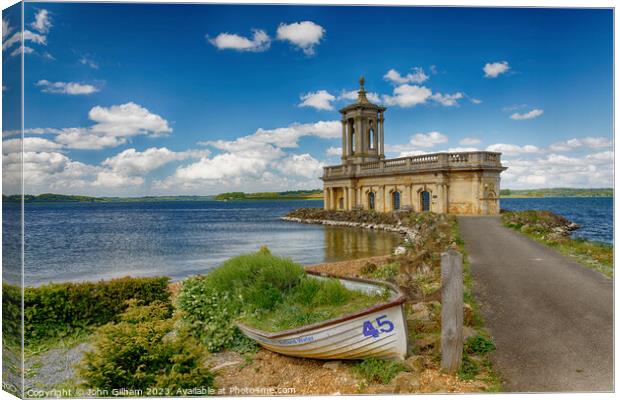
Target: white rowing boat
{"points": [[379, 331]]}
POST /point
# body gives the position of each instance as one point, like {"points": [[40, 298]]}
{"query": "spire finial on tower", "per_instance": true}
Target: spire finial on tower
{"points": [[361, 94]]}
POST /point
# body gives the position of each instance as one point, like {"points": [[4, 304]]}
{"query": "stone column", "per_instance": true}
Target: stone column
{"points": [[351, 198], [325, 199], [344, 139], [375, 138], [345, 195], [381, 138], [380, 199], [359, 136]]}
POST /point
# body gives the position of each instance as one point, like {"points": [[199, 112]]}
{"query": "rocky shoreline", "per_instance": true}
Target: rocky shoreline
{"points": [[411, 235]]}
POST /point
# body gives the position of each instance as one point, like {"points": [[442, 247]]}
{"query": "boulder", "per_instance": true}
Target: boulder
{"points": [[400, 250], [415, 363], [406, 382], [332, 365]]}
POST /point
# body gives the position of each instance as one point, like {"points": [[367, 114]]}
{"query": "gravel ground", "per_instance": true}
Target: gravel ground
{"points": [[54, 366]]}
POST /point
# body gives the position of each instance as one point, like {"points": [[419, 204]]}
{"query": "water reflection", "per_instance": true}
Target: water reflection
{"points": [[349, 243]]}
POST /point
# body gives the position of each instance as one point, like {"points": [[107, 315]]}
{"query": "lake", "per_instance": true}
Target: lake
{"points": [[90, 241], [595, 215]]}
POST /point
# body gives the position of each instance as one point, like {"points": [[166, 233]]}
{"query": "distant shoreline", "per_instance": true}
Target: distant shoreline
{"points": [[316, 195]]}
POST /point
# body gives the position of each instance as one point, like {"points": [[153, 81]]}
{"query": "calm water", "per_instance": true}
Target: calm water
{"points": [[594, 214], [86, 241]]}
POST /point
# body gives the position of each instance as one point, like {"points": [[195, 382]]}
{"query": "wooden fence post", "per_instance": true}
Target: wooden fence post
{"points": [[451, 310]]}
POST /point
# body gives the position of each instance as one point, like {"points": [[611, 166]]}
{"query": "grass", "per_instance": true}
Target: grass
{"points": [[378, 371], [539, 225], [264, 291], [309, 302]]}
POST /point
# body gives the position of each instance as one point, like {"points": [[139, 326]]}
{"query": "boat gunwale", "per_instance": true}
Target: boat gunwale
{"points": [[399, 300]]}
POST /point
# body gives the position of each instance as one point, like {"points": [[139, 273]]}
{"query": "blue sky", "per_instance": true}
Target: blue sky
{"points": [[143, 99]]}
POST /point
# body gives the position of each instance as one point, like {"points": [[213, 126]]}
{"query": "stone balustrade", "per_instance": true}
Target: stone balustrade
{"points": [[421, 163]]}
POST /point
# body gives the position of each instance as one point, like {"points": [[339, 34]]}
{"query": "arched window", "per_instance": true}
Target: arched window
{"points": [[371, 200], [352, 130], [425, 200], [371, 136], [396, 201]]}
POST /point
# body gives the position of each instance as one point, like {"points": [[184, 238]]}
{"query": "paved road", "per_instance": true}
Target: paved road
{"points": [[551, 318]]}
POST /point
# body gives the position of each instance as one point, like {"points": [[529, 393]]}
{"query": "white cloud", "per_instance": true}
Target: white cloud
{"points": [[333, 151], [35, 37], [552, 170], [303, 165], [493, 70], [417, 76], [72, 88], [88, 61], [6, 29], [576, 143], [352, 96], [528, 115], [286, 137], [408, 96], [31, 144], [305, 35], [260, 41], [113, 126], [319, 100], [127, 119], [6, 44], [447, 99], [20, 50], [469, 141], [513, 149], [131, 162], [428, 139], [42, 21], [476, 101]]}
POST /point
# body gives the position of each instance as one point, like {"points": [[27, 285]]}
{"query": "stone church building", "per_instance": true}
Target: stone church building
{"points": [[456, 183]]}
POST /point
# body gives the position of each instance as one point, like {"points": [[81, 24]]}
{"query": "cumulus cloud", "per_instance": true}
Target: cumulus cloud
{"points": [[303, 165], [495, 69], [351, 95], [72, 88], [528, 115], [30, 144], [305, 35], [447, 99], [333, 151], [319, 100], [513, 149], [469, 141], [260, 41], [593, 170], [417, 76], [113, 126], [408, 96], [42, 21], [418, 144], [576, 143], [258, 161], [6, 29], [286, 137], [131, 162]]}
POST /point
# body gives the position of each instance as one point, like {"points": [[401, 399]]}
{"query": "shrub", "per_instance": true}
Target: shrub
{"points": [[378, 371], [142, 351], [11, 314], [469, 368], [479, 345], [60, 308]]}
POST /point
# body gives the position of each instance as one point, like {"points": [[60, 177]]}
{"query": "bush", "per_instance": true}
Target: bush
{"points": [[378, 371], [60, 308], [142, 351], [479, 345], [11, 314]]}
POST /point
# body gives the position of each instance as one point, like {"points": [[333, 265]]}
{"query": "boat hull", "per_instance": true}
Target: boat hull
{"points": [[377, 332]]}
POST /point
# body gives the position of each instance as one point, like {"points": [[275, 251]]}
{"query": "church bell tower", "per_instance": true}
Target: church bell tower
{"points": [[362, 130]]}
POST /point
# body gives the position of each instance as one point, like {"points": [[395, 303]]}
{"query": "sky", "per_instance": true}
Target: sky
{"points": [[146, 99]]}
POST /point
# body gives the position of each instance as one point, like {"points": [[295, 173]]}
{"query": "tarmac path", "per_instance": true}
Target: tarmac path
{"points": [[550, 317]]}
